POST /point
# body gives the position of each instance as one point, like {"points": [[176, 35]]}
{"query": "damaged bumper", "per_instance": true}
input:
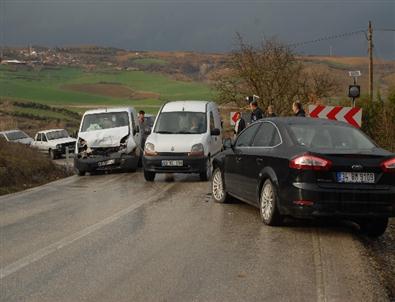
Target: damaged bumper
{"points": [[115, 161]]}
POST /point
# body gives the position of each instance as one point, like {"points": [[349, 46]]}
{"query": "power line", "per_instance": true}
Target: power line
{"points": [[326, 38]]}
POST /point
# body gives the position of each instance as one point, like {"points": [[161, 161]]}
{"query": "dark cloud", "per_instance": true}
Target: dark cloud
{"points": [[196, 25]]}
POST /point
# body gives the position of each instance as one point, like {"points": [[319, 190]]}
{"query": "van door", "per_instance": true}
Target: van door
{"points": [[215, 123]]}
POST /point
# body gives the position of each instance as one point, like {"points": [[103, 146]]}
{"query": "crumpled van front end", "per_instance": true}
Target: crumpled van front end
{"points": [[106, 142]]}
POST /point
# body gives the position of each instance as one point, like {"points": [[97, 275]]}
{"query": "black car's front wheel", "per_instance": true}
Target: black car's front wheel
{"points": [[373, 227], [268, 204], [218, 188]]}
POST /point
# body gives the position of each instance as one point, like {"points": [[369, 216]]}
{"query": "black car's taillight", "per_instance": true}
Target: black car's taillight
{"points": [[310, 162], [388, 165]]}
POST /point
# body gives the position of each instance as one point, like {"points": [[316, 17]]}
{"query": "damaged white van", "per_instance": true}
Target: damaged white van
{"points": [[107, 139]]}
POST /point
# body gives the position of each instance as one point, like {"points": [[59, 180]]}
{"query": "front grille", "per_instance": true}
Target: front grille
{"points": [[172, 154], [104, 151]]}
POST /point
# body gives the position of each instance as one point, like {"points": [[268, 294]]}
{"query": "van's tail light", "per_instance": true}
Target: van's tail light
{"points": [[310, 162], [388, 166]]}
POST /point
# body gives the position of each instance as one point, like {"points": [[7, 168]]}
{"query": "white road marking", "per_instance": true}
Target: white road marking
{"points": [[25, 261]]}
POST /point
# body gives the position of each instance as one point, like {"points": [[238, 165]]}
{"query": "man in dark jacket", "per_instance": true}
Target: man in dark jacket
{"points": [[240, 124], [298, 109], [256, 113]]}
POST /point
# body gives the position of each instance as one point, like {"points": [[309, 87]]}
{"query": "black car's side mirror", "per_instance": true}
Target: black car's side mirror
{"points": [[215, 132], [228, 143]]}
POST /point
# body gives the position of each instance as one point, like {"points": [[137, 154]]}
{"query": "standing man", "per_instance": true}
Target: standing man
{"points": [[270, 111], [142, 133], [297, 108], [256, 113], [240, 124]]}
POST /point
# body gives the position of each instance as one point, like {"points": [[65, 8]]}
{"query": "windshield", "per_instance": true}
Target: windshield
{"points": [[12, 136], [328, 136], [107, 120], [57, 134], [181, 122]]}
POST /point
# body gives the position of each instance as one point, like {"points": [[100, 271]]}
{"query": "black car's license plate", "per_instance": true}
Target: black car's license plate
{"points": [[172, 163], [355, 177]]}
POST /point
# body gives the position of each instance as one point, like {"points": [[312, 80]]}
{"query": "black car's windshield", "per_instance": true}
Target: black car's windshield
{"points": [[181, 122], [107, 120], [12, 136], [57, 134], [327, 136]]}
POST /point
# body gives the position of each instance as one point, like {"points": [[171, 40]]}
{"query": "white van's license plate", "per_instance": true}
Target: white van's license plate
{"points": [[106, 162], [172, 163], [355, 177]]}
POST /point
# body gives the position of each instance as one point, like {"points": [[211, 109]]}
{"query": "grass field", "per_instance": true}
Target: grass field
{"points": [[54, 86]]}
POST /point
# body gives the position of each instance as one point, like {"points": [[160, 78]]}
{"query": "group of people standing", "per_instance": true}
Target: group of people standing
{"points": [[257, 114]]}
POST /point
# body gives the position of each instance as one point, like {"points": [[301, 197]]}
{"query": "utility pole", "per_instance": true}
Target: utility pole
{"points": [[370, 51]]}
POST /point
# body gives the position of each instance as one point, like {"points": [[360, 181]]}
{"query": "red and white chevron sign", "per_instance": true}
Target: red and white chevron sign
{"points": [[351, 115]]}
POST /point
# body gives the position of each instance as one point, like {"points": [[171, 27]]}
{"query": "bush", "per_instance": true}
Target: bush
{"points": [[23, 167]]}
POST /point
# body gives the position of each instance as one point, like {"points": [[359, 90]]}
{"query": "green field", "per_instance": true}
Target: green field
{"points": [[47, 86]]}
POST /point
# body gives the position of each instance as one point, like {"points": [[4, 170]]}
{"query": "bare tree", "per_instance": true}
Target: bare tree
{"points": [[272, 72]]}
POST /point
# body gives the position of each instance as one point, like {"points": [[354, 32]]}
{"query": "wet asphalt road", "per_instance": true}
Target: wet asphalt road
{"points": [[117, 238]]}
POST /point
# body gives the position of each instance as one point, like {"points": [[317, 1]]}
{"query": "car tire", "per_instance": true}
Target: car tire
{"points": [[268, 207], [206, 173], [373, 227], [149, 176], [52, 154], [218, 187], [79, 172]]}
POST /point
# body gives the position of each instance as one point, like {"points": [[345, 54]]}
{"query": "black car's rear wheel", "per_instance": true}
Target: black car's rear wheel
{"points": [[268, 204], [373, 227], [149, 176], [218, 188]]}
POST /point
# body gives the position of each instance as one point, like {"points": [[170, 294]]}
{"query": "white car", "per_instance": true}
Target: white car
{"points": [[16, 136], [108, 139], [54, 142], [185, 138]]}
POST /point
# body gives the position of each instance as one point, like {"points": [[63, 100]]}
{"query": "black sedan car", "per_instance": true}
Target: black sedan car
{"points": [[305, 167]]}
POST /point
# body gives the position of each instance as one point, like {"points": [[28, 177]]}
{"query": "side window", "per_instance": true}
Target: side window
{"points": [[245, 138], [38, 137], [44, 138], [267, 136], [212, 123]]}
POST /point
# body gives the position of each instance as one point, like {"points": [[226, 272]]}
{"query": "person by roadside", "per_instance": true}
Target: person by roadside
{"points": [[270, 111], [256, 112], [297, 108], [240, 124]]}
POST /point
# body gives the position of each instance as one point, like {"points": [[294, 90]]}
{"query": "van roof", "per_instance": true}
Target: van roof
{"points": [[104, 110], [192, 106]]}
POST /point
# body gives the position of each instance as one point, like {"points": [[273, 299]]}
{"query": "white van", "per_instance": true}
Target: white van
{"points": [[107, 139], [185, 137]]}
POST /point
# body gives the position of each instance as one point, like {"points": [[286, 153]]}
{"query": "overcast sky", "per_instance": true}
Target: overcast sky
{"points": [[197, 25]]}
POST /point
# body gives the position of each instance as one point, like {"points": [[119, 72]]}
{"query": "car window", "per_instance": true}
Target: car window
{"points": [[44, 138], [332, 136], [107, 120], [38, 137], [245, 138], [181, 122], [15, 135], [212, 123], [267, 136]]}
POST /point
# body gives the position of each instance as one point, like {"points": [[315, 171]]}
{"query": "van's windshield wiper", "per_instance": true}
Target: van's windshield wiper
{"points": [[164, 132], [185, 132]]}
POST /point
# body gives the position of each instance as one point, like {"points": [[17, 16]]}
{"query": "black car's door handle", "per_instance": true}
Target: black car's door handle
{"points": [[259, 161], [238, 158]]}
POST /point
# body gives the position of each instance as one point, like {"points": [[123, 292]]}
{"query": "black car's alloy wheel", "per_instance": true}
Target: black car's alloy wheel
{"points": [[217, 186], [268, 204]]}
